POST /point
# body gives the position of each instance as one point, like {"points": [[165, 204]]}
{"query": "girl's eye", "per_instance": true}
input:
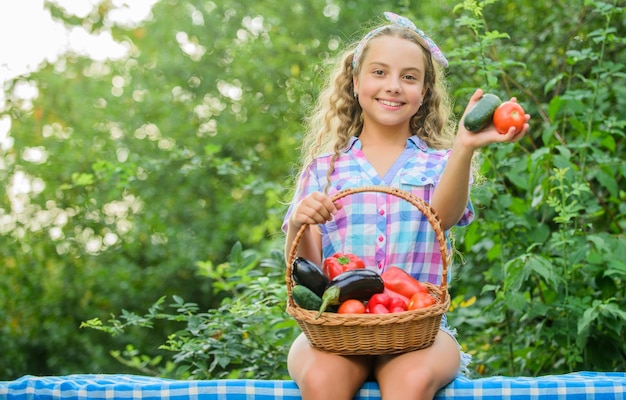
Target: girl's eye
{"points": [[410, 77], [378, 72]]}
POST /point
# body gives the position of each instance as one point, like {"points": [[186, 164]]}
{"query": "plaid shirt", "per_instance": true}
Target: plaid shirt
{"points": [[382, 229]]}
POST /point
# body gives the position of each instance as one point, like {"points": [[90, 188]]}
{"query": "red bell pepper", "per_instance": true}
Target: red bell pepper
{"points": [[400, 281], [379, 298], [397, 305], [397, 297], [383, 303], [377, 309], [341, 262]]}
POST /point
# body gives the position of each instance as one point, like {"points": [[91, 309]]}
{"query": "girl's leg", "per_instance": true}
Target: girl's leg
{"points": [[419, 374], [321, 375]]}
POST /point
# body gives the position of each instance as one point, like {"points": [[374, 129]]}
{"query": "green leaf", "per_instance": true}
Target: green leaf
{"points": [[608, 181], [548, 87], [81, 179], [489, 288], [515, 274], [545, 269], [583, 325], [516, 301], [236, 253], [615, 268], [613, 310], [518, 174], [554, 107]]}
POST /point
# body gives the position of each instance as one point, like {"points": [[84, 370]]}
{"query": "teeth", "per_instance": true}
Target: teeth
{"points": [[390, 103]]}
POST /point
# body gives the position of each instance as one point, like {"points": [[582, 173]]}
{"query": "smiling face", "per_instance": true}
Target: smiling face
{"points": [[390, 83]]}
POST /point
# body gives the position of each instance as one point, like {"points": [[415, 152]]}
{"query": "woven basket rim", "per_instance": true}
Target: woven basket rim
{"points": [[336, 319]]}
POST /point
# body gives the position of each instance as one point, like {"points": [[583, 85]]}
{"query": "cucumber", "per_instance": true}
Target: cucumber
{"points": [[306, 273], [359, 284], [305, 298], [481, 114]]}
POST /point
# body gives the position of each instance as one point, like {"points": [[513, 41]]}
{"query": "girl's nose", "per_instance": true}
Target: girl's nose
{"points": [[394, 86]]}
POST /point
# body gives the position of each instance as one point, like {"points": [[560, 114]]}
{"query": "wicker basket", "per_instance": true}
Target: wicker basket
{"points": [[375, 334]]}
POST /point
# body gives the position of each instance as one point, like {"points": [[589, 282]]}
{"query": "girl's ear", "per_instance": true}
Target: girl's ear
{"points": [[424, 93], [355, 83]]}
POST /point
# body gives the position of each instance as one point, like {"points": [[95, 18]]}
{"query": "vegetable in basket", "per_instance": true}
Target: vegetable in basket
{"points": [[382, 299], [397, 305], [383, 303], [400, 281], [397, 297], [341, 262], [307, 273], [421, 300], [359, 284], [351, 306], [305, 298]]}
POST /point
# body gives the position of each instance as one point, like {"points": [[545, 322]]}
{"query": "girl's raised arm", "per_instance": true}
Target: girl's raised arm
{"points": [[452, 192]]}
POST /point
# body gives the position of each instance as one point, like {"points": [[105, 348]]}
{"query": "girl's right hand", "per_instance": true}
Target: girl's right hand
{"points": [[488, 134], [316, 208]]}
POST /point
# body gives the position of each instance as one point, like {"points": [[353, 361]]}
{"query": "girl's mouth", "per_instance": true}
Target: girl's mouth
{"points": [[390, 103]]}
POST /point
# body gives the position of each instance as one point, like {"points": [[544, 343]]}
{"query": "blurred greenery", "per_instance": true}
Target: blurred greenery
{"points": [[148, 184]]}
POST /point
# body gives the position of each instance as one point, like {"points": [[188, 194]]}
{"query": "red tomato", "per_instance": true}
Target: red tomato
{"points": [[421, 300], [379, 309], [509, 114], [351, 306]]}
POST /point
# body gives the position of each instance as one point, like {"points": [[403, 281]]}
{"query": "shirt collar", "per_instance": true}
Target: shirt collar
{"points": [[413, 141], [417, 142], [353, 143]]}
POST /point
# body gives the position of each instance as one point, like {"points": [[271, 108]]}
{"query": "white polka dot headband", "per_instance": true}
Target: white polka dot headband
{"points": [[396, 19]]}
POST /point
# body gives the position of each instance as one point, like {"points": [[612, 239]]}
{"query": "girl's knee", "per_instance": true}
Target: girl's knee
{"points": [[417, 378], [422, 381], [322, 375], [419, 374], [419, 383], [320, 382]]}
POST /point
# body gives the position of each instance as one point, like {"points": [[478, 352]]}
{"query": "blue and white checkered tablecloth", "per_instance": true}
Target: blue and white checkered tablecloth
{"points": [[579, 385]]}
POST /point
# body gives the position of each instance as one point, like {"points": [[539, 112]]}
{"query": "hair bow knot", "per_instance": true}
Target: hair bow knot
{"points": [[396, 19]]}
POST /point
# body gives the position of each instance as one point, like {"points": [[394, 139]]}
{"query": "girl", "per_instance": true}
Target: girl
{"points": [[384, 119]]}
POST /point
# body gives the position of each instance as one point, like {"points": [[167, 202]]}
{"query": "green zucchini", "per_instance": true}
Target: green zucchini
{"points": [[305, 298], [482, 112], [306, 273], [359, 284]]}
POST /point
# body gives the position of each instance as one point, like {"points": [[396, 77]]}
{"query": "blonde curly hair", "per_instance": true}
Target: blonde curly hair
{"points": [[337, 115]]}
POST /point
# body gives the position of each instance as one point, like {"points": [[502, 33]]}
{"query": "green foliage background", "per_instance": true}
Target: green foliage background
{"points": [[166, 176]]}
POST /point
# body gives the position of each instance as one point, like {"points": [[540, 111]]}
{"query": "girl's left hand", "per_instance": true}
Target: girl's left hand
{"points": [[488, 134]]}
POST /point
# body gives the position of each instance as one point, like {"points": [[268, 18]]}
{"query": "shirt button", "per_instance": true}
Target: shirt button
{"points": [[381, 212], [338, 187], [380, 265], [381, 238]]}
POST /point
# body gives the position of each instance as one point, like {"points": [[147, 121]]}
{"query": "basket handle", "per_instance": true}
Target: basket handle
{"points": [[420, 204]]}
